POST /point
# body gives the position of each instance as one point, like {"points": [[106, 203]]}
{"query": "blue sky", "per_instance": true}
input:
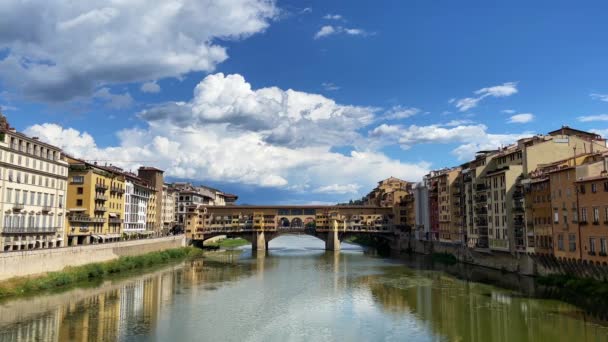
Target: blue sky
{"points": [[300, 101]]}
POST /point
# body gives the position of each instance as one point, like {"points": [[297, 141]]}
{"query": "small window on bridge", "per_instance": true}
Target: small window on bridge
{"points": [[309, 212], [296, 212], [283, 211]]}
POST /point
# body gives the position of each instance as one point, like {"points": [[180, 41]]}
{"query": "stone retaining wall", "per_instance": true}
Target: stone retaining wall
{"points": [[29, 262]]}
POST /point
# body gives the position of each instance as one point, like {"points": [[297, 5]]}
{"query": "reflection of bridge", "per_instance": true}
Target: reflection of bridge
{"points": [[260, 224]]}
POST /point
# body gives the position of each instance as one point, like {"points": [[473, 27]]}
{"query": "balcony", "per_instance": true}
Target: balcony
{"points": [[18, 207], [100, 197], [85, 219], [518, 194], [104, 209], [481, 211], [30, 230], [47, 208], [519, 209], [101, 187], [480, 187], [481, 199], [115, 220], [117, 190]]}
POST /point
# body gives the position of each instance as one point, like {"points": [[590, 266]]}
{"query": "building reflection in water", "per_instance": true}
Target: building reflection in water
{"points": [[111, 312], [467, 311]]}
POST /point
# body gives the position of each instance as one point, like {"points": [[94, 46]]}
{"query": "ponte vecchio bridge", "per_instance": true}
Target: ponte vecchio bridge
{"points": [[260, 224]]}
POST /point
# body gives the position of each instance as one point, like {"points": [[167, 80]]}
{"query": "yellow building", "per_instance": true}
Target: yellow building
{"points": [[95, 203]]}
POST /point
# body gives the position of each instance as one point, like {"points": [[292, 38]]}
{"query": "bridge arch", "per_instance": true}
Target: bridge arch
{"points": [[297, 223], [284, 222]]}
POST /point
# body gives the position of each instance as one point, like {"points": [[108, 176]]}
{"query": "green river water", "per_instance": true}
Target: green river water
{"points": [[299, 292]]}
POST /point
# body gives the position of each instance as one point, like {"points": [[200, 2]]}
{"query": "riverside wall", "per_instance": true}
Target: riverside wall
{"points": [[30, 262], [521, 263]]}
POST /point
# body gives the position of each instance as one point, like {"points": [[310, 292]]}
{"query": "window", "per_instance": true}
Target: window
{"points": [[78, 179], [560, 242], [79, 203], [593, 187], [80, 190], [555, 216], [591, 245], [582, 188], [572, 242], [596, 215], [584, 215], [603, 246]]}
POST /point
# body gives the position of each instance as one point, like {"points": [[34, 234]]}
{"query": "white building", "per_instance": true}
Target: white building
{"points": [[33, 183], [137, 196], [168, 207]]}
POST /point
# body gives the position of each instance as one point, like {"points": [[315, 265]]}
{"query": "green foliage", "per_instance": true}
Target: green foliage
{"points": [[95, 271], [445, 258], [229, 243]]}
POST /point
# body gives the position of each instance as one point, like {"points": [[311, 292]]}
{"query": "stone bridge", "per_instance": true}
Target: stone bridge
{"points": [[260, 224]]}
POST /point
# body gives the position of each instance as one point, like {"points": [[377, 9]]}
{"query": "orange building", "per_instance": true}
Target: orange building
{"points": [[593, 204]]}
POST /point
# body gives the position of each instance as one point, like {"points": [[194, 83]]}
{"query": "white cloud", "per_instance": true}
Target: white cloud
{"points": [[329, 86], [453, 123], [471, 137], [338, 189], [333, 17], [400, 112], [325, 31], [282, 117], [601, 97], [503, 90], [329, 30], [589, 118], [65, 51], [521, 118], [150, 87], [229, 132], [114, 101], [508, 111]]}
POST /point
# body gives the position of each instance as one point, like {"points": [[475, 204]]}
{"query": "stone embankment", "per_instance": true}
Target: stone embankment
{"points": [[30, 262]]}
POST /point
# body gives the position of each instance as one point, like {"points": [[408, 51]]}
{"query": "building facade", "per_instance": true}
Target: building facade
{"points": [[137, 203], [95, 203], [168, 208], [154, 177], [33, 182]]}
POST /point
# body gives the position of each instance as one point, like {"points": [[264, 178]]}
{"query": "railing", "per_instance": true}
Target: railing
{"points": [[18, 206], [115, 220], [100, 186], [101, 209], [46, 208], [29, 230], [117, 189], [82, 218], [100, 197]]}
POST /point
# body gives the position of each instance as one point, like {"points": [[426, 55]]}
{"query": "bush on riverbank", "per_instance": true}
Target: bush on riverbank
{"points": [[588, 293], [89, 272], [445, 258], [228, 243]]}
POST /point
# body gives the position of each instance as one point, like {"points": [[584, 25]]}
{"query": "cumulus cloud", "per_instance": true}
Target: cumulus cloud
{"points": [[230, 132], [338, 189], [150, 87], [472, 138], [503, 90], [282, 117], [589, 118], [521, 118], [329, 30], [215, 153], [63, 52]]}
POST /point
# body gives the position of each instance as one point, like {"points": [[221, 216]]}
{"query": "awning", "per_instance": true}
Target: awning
{"points": [[112, 214]]}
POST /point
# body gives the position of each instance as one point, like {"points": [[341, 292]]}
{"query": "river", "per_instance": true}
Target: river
{"points": [[298, 292]]}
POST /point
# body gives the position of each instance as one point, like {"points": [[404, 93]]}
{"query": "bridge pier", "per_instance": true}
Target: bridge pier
{"points": [[258, 242], [332, 243]]}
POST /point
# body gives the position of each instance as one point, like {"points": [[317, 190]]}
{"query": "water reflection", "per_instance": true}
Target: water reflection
{"points": [[295, 294]]}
